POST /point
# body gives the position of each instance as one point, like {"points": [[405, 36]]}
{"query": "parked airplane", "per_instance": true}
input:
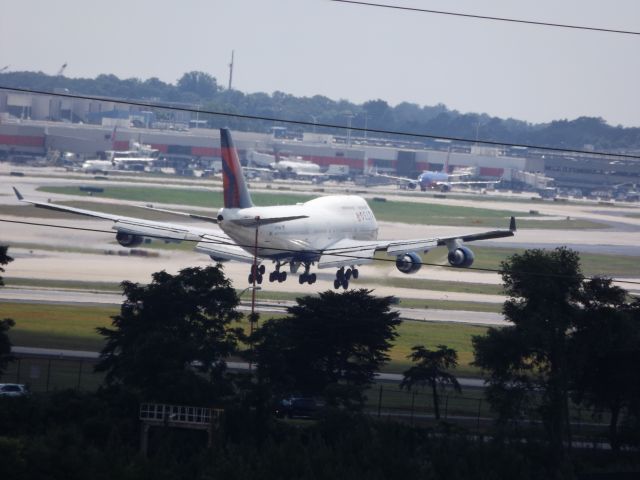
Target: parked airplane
{"points": [[337, 231], [284, 167], [443, 180], [138, 157]]}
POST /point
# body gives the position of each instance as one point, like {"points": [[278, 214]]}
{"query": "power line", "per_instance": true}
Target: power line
{"points": [[138, 103], [342, 255], [485, 17]]}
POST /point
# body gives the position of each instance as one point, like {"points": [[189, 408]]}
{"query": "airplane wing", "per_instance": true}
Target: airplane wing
{"points": [[358, 252], [471, 182], [215, 243], [394, 178]]}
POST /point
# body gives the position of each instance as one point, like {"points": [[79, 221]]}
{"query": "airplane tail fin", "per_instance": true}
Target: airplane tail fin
{"points": [[446, 162], [236, 193]]}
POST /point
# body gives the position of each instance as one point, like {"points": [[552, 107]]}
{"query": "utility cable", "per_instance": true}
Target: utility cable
{"points": [[486, 17], [137, 103], [342, 255]]}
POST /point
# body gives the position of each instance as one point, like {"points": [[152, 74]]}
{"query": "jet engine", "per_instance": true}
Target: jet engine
{"points": [[461, 257], [408, 262], [128, 239]]}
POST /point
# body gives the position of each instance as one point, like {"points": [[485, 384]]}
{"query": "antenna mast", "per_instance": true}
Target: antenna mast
{"points": [[231, 70]]}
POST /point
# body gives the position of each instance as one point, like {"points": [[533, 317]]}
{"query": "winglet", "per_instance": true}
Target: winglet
{"points": [[236, 193], [512, 224], [18, 194]]}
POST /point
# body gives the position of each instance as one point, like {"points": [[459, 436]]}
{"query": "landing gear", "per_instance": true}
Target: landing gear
{"points": [[343, 276], [306, 277], [256, 272], [277, 275]]}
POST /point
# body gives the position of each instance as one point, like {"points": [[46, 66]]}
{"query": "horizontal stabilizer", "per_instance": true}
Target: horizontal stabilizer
{"points": [[252, 222]]}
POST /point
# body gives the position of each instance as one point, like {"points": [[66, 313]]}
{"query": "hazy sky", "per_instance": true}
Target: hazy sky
{"points": [[308, 47]]}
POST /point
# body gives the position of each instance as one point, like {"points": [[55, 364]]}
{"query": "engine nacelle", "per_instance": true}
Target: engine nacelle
{"points": [[461, 257], [129, 239], [408, 262]]}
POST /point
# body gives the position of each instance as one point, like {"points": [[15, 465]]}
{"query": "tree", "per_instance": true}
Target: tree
{"points": [[544, 290], [605, 353], [431, 370], [329, 345], [7, 323], [4, 260], [201, 84], [172, 337]]}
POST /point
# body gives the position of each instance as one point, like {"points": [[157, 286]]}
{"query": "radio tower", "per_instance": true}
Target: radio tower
{"points": [[231, 70]]}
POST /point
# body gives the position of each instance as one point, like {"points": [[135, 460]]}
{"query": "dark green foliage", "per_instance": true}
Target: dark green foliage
{"points": [[431, 370], [531, 357], [7, 323], [172, 337], [4, 259], [569, 335], [605, 354], [330, 345]]}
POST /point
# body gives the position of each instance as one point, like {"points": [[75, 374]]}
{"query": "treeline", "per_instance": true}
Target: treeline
{"points": [[202, 90]]}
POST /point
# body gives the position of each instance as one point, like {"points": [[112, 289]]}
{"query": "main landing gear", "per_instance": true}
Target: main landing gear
{"points": [[343, 276], [306, 277], [258, 271], [277, 275]]}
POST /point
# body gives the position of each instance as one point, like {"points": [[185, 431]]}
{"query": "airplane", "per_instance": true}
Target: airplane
{"points": [[443, 181], [137, 158], [335, 231], [284, 167]]}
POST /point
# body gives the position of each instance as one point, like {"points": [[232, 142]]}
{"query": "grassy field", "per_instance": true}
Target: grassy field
{"points": [[73, 327], [403, 212]]}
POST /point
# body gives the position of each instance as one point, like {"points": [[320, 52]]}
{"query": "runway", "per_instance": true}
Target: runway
{"points": [[66, 297]]}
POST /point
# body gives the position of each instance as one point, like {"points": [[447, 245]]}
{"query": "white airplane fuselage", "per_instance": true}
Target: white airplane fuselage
{"points": [[328, 220]]}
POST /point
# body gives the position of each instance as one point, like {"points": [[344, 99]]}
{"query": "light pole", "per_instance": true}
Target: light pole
{"points": [[254, 276], [349, 117]]}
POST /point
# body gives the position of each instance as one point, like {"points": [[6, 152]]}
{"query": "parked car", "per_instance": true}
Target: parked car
{"points": [[299, 407], [13, 390]]}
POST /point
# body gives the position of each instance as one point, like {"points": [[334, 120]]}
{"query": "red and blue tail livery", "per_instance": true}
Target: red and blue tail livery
{"points": [[236, 193]]}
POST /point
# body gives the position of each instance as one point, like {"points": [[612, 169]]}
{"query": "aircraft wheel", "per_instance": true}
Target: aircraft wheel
{"points": [[282, 276], [312, 278], [347, 274], [251, 278], [345, 283], [336, 284], [259, 279], [272, 276], [340, 274], [261, 269], [302, 278], [355, 273]]}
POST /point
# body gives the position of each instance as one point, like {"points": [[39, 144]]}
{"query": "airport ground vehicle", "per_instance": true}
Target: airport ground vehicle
{"points": [[13, 390], [299, 407]]}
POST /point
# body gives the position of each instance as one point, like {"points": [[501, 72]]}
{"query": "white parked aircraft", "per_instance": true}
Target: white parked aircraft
{"points": [[337, 231]]}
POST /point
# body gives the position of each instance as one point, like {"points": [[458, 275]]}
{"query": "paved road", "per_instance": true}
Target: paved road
{"points": [[79, 354]]}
